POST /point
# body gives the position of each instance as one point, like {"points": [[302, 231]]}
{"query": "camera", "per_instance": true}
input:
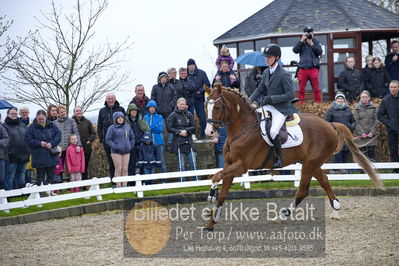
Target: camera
{"points": [[309, 31]]}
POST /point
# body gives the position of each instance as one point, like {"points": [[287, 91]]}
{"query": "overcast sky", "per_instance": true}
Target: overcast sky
{"points": [[165, 33]]}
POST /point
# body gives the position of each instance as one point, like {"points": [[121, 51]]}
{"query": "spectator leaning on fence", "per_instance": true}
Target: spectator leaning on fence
{"points": [[18, 151], [87, 136], [340, 113], [104, 121], [4, 139], [365, 113], [120, 139], [388, 114], [181, 124], [350, 81], [41, 136]]}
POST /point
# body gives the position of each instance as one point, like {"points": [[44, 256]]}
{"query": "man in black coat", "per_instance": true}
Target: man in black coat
{"points": [[278, 89], [388, 114], [105, 120], [164, 94], [392, 61], [188, 90], [350, 82], [198, 79]]}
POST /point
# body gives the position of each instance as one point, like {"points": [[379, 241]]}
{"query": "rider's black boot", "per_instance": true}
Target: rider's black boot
{"points": [[278, 162]]}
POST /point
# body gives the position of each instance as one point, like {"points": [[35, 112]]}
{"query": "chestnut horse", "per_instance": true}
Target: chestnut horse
{"points": [[245, 148]]}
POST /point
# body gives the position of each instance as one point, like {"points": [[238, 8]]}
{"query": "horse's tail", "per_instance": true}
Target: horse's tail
{"points": [[345, 135]]}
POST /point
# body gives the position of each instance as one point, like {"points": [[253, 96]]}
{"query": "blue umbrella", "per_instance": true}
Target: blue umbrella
{"points": [[252, 58], [5, 105]]}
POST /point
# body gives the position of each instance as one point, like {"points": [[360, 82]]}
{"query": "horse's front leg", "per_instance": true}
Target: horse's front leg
{"points": [[227, 174]]}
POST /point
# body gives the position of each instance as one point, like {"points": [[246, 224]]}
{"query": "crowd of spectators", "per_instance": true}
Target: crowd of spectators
{"points": [[135, 140]]}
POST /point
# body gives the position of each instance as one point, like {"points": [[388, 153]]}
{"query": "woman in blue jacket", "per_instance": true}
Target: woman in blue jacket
{"points": [[41, 136], [120, 139], [156, 121]]}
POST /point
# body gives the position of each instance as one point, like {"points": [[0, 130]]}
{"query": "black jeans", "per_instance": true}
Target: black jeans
{"points": [[134, 157], [87, 160], [111, 165], [41, 175], [393, 145]]}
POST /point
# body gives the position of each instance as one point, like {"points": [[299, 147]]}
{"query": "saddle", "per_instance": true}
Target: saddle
{"points": [[283, 133]]}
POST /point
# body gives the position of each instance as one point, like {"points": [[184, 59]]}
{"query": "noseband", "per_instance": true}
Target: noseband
{"points": [[224, 106]]}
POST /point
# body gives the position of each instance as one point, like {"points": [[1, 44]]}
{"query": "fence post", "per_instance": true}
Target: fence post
{"points": [[95, 187], [247, 185], [35, 195], [3, 200], [297, 175], [139, 184]]}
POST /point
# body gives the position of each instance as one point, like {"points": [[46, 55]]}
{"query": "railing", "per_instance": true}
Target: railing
{"points": [[246, 179]]}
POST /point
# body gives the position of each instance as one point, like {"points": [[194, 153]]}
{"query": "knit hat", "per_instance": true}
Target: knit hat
{"points": [[191, 62], [161, 74], [146, 138], [340, 94]]}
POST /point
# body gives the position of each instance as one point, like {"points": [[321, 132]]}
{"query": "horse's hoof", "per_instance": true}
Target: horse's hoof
{"points": [[209, 229]]}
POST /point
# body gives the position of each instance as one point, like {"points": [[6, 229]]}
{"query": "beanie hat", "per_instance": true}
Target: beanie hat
{"points": [[191, 62], [340, 94], [161, 74]]}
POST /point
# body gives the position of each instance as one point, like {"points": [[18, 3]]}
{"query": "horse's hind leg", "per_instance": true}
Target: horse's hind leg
{"points": [[302, 192], [321, 176]]}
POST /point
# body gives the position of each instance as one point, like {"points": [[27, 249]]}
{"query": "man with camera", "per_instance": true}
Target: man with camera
{"points": [[309, 50]]}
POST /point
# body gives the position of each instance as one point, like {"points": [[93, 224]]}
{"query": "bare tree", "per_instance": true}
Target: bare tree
{"points": [[64, 68], [8, 47]]}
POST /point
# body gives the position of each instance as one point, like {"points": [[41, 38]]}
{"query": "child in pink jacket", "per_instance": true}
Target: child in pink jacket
{"points": [[75, 159]]}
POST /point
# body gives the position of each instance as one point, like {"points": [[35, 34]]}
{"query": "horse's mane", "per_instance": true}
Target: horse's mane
{"points": [[238, 93]]}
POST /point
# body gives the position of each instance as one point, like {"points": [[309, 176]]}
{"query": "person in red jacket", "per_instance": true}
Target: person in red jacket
{"points": [[75, 158]]}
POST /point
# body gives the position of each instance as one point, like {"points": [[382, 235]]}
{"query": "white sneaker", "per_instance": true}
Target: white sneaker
{"points": [[194, 137]]}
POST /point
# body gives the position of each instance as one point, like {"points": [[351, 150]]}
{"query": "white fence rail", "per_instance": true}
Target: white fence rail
{"points": [[95, 190]]}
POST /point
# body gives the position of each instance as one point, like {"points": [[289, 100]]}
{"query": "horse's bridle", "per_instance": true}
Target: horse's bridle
{"points": [[214, 121], [224, 107]]}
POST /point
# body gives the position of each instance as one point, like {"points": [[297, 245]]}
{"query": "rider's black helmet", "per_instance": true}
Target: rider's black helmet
{"points": [[272, 50]]}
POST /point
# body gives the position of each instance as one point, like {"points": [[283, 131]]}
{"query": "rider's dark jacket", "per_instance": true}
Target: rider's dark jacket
{"points": [[280, 87]]}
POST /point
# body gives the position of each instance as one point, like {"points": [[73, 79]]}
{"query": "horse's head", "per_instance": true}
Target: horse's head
{"points": [[215, 110], [223, 106]]}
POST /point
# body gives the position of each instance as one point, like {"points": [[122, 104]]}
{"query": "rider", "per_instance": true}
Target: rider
{"points": [[278, 91]]}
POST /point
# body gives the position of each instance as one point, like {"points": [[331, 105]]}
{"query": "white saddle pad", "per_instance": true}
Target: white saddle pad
{"points": [[295, 135]]}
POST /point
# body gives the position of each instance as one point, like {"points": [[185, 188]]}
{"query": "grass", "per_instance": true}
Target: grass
{"points": [[259, 185]]}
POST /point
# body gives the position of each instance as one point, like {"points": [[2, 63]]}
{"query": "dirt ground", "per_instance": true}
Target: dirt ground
{"points": [[368, 233]]}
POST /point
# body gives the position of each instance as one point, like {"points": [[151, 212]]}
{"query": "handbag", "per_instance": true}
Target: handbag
{"points": [[54, 151]]}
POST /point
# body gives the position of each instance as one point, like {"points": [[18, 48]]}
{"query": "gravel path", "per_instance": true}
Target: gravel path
{"points": [[366, 234]]}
